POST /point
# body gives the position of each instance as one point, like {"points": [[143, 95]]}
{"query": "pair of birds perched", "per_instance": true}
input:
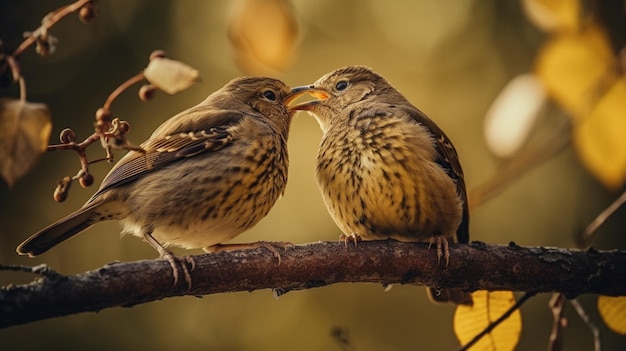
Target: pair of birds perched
{"points": [[211, 172]]}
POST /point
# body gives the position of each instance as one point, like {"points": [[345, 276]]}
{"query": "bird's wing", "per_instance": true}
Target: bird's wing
{"points": [[448, 158], [160, 151]]}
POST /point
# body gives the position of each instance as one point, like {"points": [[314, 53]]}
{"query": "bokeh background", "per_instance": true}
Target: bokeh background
{"points": [[450, 58]]}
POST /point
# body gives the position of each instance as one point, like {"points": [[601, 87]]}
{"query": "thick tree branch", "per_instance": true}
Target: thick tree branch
{"points": [[476, 266]]}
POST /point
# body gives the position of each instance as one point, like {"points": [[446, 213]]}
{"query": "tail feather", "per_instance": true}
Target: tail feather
{"points": [[58, 232], [455, 296]]}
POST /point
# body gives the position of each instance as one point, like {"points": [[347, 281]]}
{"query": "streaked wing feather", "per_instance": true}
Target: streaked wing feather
{"points": [[162, 151]]}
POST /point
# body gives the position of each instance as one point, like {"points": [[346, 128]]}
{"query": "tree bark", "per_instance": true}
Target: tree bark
{"points": [[475, 266]]}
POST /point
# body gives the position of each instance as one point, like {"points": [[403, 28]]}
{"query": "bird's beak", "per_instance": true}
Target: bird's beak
{"points": [[296, 92]]}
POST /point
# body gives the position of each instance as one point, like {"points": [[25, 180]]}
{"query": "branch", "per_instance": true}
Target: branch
{"points": [[476, 266]]}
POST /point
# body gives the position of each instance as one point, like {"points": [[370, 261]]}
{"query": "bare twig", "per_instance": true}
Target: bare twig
{"points": [[523, 162], [597, 345], [498, 321], [585, 239], [120, 89], [49, 21], [110, 131], [556, 304]]}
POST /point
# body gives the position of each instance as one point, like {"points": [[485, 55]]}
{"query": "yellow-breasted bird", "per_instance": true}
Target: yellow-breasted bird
{"points": [[206, 175], [386, 170]]}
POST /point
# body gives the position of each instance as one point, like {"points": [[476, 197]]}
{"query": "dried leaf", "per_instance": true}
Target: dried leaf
{"points": [[573, 66], [600, 138], [171, 76], [613, 310], [24, 133], [488, 306], [552, 15], [263, 35], [512, 114]]}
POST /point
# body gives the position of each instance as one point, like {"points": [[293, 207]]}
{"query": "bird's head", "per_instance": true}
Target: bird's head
{"points": [[341, 90], [265, 95]]}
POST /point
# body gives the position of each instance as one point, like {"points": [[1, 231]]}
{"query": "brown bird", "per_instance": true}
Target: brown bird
{"points": [[206, 175], [384, 168]]}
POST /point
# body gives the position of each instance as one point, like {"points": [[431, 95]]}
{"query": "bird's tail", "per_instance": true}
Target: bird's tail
{"points": [[58, 232], [455, 296]]}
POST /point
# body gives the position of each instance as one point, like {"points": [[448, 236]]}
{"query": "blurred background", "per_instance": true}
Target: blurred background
{"points": [[450, 58]]}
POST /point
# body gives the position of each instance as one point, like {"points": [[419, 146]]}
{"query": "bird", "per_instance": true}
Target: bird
{"points": [[385, 169], [203, 177]]}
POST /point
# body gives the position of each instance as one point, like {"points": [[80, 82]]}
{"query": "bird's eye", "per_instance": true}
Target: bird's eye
{"points": [[341, 85], [268, 94]]}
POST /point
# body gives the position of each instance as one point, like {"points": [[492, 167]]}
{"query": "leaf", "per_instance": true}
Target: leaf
{"points": [[512, 114], [613, 309], [171, 76], [469, 321], [572, 67], [263, 35], [600, 138], [24, 133], [551, 15]]}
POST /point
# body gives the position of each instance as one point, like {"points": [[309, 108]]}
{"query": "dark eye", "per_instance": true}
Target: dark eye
{"points": [[341, 85], [268, 94]]}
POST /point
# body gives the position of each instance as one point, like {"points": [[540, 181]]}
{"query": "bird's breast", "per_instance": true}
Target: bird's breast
{"points": [[377, 181], [228, 194]]}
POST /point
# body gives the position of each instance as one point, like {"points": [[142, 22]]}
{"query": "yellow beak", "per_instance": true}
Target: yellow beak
{"points": [[296, 92]]}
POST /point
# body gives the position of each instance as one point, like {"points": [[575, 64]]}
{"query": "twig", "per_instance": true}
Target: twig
{"points": [[22, 83], [106, 129], [597, 345], [556, 304], [523, 162], [497, 322], [584, 240], [50, 20], [120, 89]]}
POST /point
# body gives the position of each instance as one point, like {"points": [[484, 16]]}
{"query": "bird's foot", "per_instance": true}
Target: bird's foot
{"points": [[442, 248], [185, 263], [354, 237], [271, 246]]}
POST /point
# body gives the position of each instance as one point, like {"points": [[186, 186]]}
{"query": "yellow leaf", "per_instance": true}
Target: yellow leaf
{"points": [[263, 35], [488, 306], [600, 138], [613, 310], [572, 66], [24, 133], [552, 15]]}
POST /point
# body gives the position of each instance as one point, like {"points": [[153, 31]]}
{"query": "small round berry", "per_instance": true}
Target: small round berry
{"points": [[103, 115], [124, 127], [60, 192], [85, 180], [67, 136], [88, 13], [146, 92]]}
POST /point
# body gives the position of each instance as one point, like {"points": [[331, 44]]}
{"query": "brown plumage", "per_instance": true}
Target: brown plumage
{"points": [[208, 174], [384, 168]]}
